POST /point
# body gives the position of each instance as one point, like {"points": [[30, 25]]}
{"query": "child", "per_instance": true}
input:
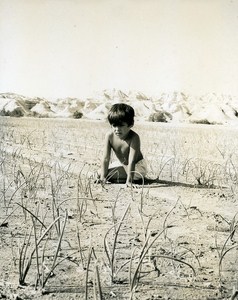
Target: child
{"points": [[125, 143]]}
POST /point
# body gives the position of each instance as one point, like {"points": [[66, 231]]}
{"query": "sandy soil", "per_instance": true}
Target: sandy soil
{"points": [[192, 229]]}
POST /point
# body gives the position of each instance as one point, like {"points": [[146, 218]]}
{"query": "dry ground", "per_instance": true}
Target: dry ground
{"points": [[189, 230]]}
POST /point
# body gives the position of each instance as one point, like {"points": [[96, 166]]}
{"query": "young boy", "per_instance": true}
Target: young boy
{"points": [[126, 145]]}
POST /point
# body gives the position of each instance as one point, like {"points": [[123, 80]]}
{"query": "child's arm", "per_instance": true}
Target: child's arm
{"points": [[133, 154], [105, 158]]}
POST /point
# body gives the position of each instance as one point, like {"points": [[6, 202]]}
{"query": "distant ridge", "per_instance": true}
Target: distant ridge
{"points": [[176, 107]]}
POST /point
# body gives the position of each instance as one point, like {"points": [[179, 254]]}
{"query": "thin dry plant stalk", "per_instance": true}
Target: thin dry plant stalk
{"points": [[111, 254]]}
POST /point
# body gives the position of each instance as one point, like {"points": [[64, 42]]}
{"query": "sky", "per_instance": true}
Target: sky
{"points": [[74, 48]]}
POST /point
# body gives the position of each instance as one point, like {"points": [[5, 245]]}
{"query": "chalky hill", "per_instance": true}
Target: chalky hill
{"points": [[176, 107]]}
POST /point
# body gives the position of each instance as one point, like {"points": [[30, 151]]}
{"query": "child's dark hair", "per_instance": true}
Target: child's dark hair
{"points": [[121, 113]]}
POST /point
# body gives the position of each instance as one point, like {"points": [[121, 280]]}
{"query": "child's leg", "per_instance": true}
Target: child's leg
{"points": [[140, 170], [117, 174]]}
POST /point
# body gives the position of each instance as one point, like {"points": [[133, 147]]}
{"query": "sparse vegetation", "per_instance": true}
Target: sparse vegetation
{"points": [[160, 116], [62, 233], [17, 112], [77, 114]]}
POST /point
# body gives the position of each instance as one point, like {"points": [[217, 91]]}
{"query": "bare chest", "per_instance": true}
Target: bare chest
{"points": [[121, 149]]}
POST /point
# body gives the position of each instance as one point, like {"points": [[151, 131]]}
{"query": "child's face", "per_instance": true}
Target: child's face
{"points": [[121, 130]]}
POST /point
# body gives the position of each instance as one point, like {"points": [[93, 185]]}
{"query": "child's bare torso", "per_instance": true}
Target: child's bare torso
{"points": [[122, 147]]}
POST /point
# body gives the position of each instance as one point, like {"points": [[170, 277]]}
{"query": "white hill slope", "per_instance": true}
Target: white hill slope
{"points": [[176, 107]]}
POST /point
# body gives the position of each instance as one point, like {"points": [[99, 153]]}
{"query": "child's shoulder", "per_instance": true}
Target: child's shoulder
{"points": [[108, 134], [134, 134]]}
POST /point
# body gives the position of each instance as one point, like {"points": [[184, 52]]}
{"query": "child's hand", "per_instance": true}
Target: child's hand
{"points": [[101, 181], [131, 186], [127, 185], [97, 181]]}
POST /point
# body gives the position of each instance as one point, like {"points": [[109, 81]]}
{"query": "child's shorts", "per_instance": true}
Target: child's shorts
{"points": [[140, 168]]}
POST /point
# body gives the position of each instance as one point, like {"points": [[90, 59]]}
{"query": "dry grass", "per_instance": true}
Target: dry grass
{"points": [[64, 230]]}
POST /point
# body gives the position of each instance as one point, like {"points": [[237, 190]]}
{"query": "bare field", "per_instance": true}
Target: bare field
{"points": [[65, 237]]}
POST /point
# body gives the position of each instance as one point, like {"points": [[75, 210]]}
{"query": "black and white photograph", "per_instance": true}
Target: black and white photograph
{"points": [[119, 149]]}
